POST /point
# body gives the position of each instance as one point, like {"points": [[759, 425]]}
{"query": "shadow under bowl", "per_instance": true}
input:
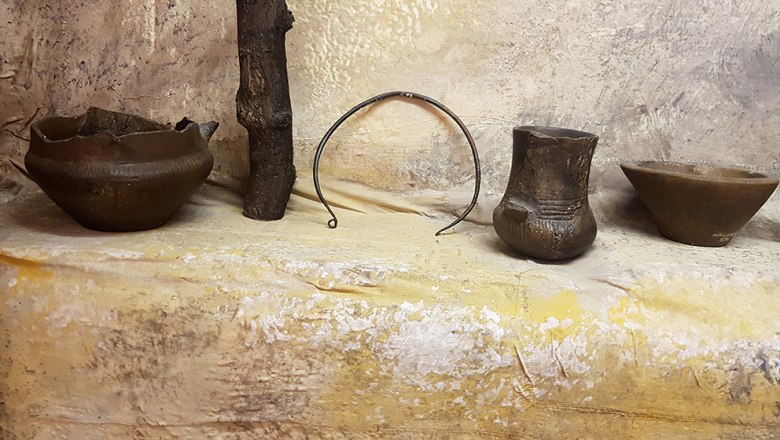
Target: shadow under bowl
{"points": [[696, 204], [117, 172]]}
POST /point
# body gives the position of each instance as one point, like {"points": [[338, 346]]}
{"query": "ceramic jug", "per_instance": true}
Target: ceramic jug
{"points": [[545, 212]]}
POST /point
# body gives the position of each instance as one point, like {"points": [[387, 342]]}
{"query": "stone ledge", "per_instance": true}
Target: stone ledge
{"points": [[219, 325]]}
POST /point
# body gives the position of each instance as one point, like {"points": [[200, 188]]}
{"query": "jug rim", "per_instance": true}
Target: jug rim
{"points": [[543, 131]]}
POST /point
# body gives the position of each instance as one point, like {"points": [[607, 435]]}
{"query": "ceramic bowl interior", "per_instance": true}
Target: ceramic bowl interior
{"points": [[698, 204], [104, 136], [97, 121], [699, 171]]}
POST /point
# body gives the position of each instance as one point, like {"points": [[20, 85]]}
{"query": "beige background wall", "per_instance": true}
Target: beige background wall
{"points": [[290, 329], [692, 80]]}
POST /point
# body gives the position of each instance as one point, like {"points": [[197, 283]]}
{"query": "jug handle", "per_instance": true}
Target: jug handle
{"points": [[333, 222]]}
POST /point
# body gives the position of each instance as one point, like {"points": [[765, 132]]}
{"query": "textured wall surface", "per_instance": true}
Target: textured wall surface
{"points": [[693, 80], [219, 326]]}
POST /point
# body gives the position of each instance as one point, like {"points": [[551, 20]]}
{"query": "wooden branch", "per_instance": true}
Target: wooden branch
{"points": [[263, 105]]}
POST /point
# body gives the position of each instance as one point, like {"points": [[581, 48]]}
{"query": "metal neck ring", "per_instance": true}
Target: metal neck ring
{"points": [[333, 222]]}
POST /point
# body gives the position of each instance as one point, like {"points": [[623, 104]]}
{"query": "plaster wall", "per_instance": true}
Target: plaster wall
{"points": [[687, 334], [691, 80]]}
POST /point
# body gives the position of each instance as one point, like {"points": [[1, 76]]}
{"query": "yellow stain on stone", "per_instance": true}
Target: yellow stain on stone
{"points": [[231, 328], [26, 270], [368, 391], [686, 330], [719, 310], [563, 307], [627, 313]]}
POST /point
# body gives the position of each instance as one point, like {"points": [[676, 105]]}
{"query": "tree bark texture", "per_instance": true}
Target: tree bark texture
{"points": [[263, 105]]}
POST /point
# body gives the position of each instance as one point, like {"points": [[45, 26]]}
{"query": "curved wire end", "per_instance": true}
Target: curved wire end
{"points": [[452, 225], [332, 223]]}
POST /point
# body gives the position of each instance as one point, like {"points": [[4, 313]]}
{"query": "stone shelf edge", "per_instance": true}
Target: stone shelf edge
{"points": [[216, 324]]}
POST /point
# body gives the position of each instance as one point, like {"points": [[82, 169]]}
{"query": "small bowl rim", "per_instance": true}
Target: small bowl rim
{"points": [[757, 178]]}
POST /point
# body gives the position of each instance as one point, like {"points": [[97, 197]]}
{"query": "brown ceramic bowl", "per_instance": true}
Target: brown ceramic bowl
{"points": [[699, 204], [117, 172]]}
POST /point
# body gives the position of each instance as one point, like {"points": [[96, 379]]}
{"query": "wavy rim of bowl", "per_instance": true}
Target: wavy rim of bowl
{"points": [[170, 128], [757, 179]]}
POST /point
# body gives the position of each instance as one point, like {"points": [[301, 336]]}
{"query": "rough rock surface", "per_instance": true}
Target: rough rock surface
{"points": [[215, 325], [694, 80]]}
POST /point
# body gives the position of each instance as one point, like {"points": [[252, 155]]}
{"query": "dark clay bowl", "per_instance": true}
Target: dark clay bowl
{"points": [[699, 204], [118, 172]]}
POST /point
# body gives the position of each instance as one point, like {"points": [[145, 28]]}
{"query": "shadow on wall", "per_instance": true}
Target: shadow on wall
{"points": [[762, 227]]}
